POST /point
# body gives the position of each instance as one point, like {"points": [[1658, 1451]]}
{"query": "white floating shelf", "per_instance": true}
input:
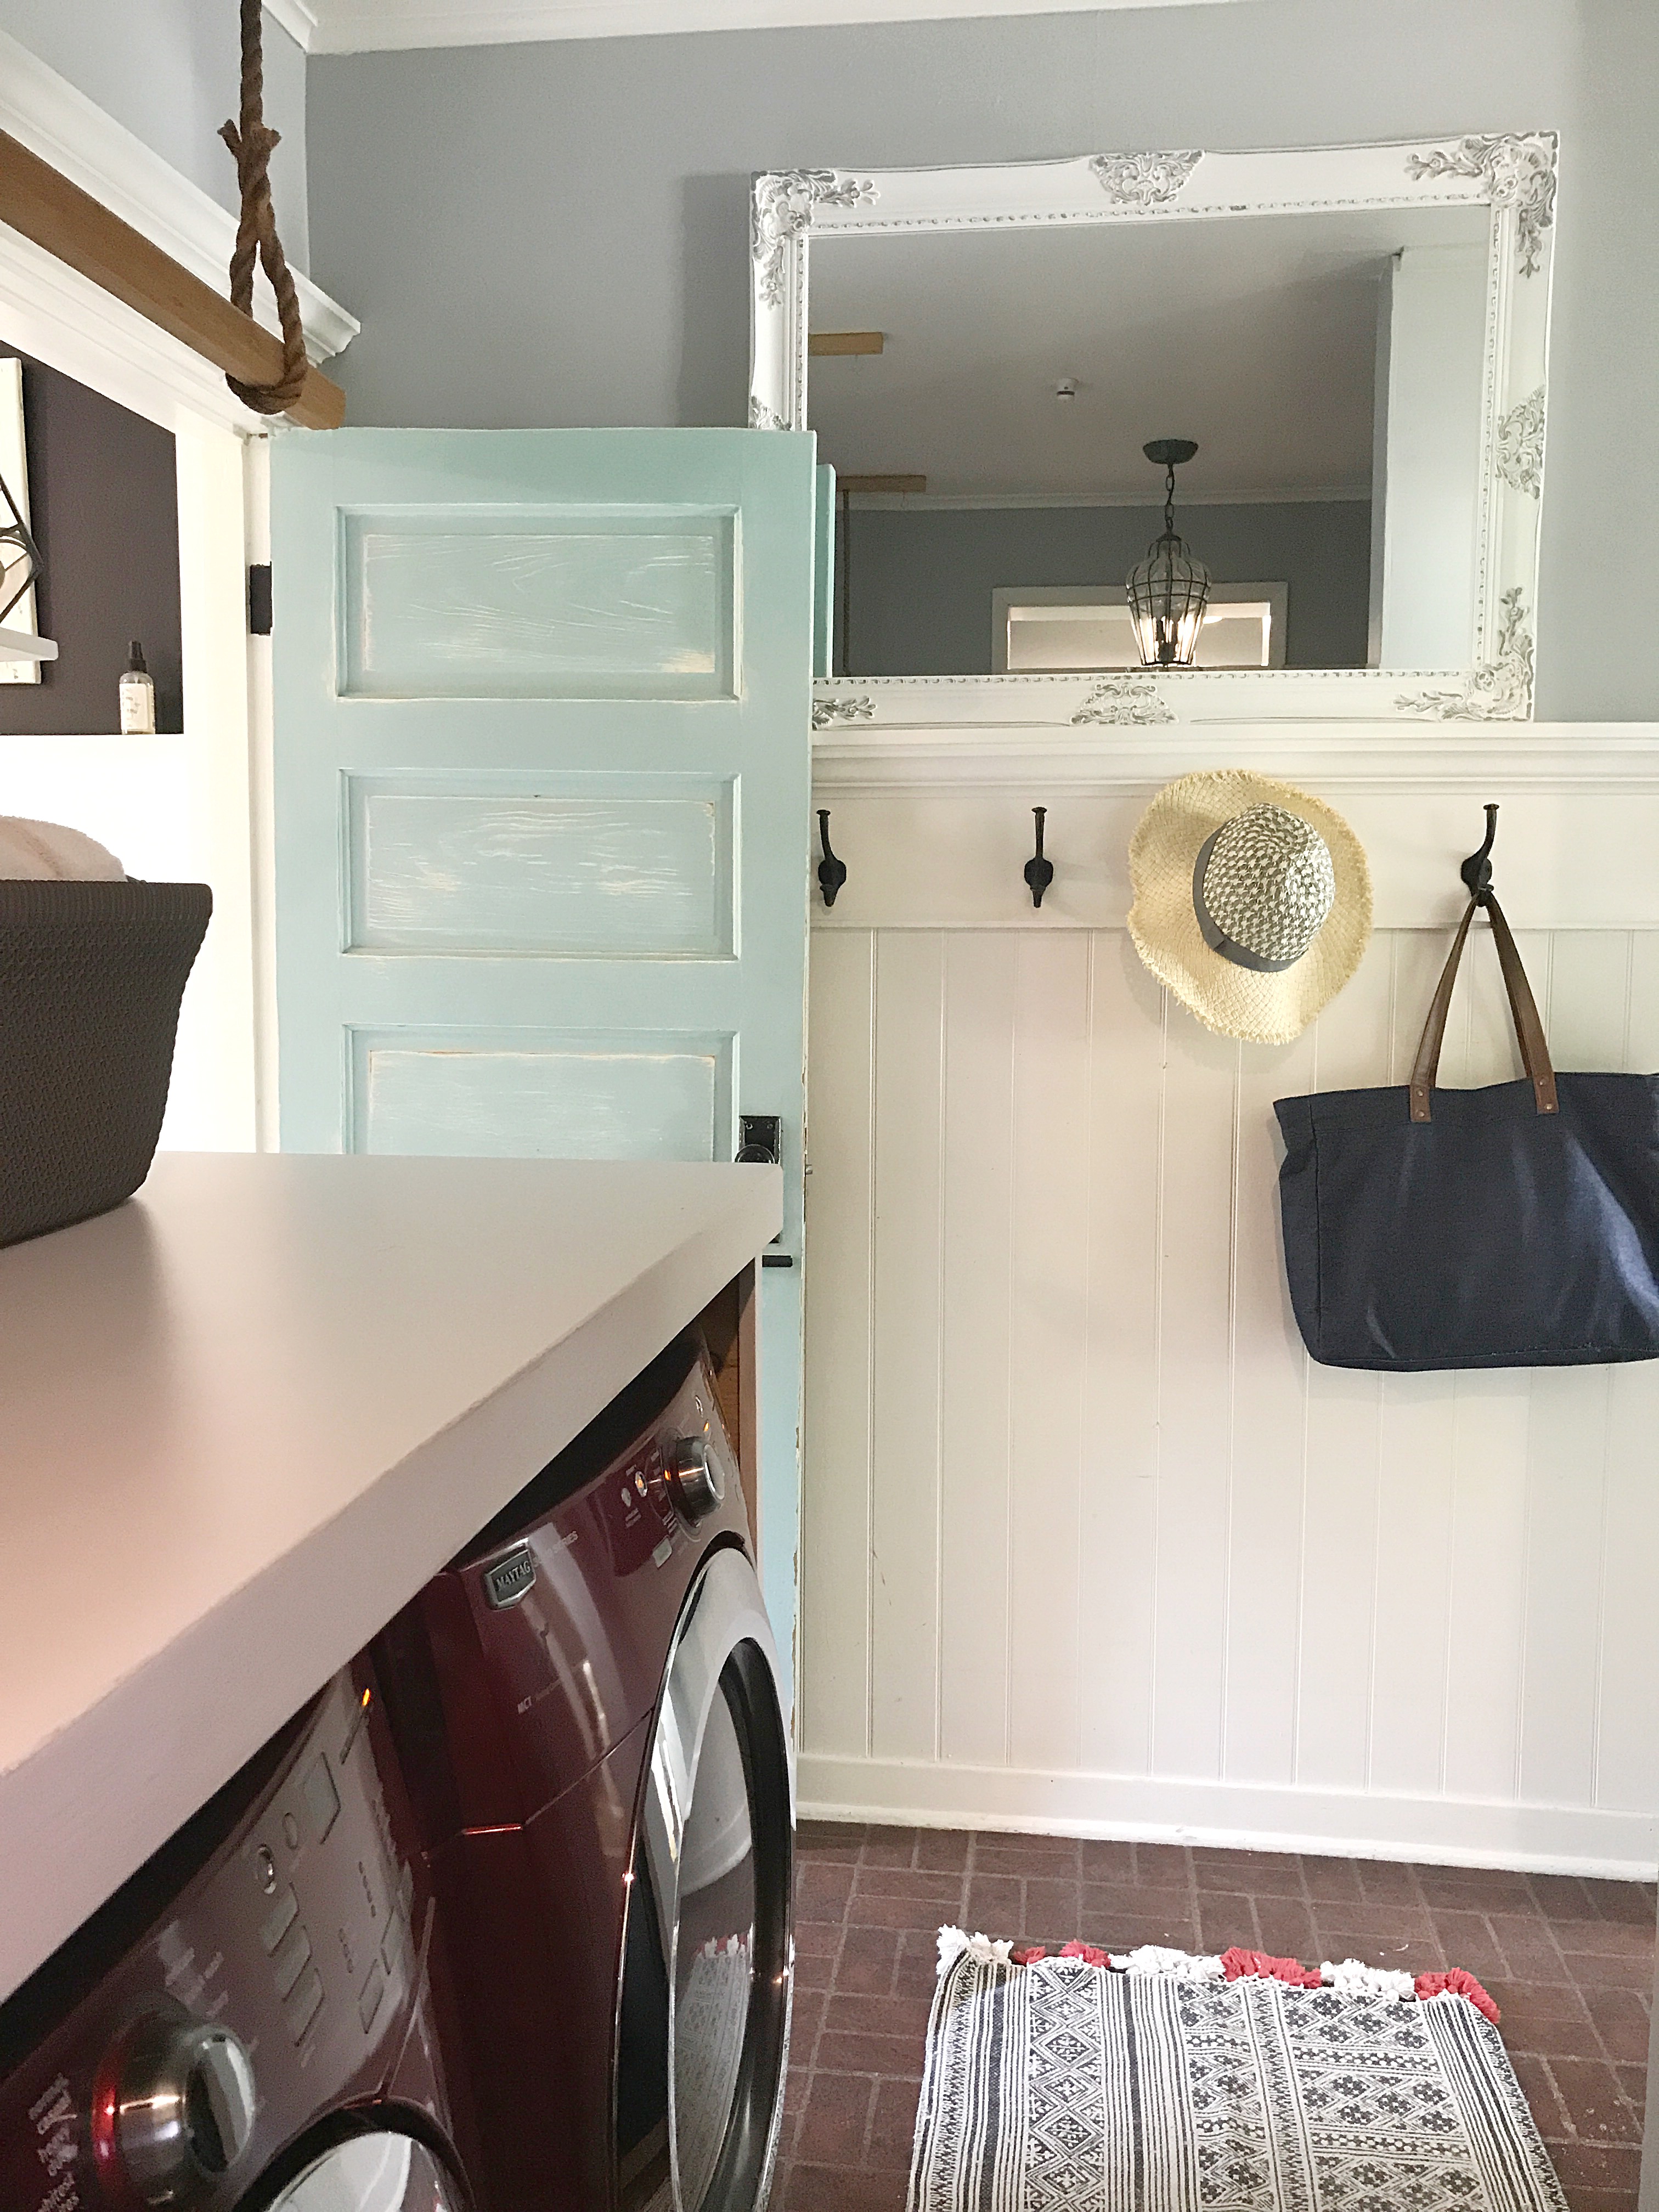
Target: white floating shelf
{"points": [[20, 645]]}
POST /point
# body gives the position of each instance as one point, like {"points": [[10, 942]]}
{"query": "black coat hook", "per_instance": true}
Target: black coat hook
{"points": [[1476, 871], [832, 872], [1039, 872]]}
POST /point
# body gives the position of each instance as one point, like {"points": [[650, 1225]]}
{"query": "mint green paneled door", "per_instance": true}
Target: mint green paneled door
{"points": [[543, 716]]}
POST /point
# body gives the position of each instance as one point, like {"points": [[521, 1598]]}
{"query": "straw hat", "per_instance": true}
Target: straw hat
{"points": [[1252, 901]]}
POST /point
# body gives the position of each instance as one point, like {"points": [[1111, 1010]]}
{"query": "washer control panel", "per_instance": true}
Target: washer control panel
{"points": [[571, 1612], [333, 1907], [274, 1986]]}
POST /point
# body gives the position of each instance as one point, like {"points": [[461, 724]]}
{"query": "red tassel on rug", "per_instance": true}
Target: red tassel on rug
{"points": [[1462, 1984], [1238, 1964], [1235, 1964]]}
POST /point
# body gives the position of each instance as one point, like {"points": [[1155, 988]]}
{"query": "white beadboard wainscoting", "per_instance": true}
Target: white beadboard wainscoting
{"points": [[1089, 1544]]}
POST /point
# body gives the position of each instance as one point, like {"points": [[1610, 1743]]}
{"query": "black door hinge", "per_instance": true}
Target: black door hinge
{"points": [[258, 600], [761, 1143], [759, 1137]]}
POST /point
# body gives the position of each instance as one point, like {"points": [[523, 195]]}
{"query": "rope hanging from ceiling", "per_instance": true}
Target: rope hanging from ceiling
{"points": [[251, 142]]}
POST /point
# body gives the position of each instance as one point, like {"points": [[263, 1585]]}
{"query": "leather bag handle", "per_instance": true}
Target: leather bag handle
{"points": [[1528, 1030]]}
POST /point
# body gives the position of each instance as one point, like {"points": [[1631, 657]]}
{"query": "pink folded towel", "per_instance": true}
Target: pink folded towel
{"points": [[44, 851]]}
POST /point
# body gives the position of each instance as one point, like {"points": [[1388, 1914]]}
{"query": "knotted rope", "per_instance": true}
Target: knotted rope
{"points": [[250, 142]]}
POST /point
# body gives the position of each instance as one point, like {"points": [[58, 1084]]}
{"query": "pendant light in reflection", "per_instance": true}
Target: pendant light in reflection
{"points": [[1169, 590]]}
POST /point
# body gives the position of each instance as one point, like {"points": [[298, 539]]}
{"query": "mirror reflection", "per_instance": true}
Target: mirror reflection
{"points": [[1310, 385]]}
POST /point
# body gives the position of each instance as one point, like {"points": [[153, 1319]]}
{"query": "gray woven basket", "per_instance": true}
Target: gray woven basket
{"points": [[91, 975]]}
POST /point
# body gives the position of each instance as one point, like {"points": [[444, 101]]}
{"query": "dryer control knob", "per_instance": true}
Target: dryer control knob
{"points": [[695, 1479], [179, 2110]]}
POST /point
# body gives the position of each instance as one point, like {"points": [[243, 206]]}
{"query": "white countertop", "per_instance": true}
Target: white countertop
{"points": [[245, 1417]]}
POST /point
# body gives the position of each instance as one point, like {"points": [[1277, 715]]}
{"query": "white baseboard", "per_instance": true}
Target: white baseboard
{"points": [[1362, 1824]]}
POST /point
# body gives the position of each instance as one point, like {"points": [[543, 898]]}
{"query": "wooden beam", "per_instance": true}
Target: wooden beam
{"points": [[821, 343], [881, 484], [42, 204]]}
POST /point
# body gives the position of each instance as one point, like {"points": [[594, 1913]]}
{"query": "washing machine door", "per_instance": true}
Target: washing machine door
{"points": [[708, 1957], [384, 2170]]}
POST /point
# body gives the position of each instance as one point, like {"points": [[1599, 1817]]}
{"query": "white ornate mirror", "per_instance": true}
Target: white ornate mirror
{"points": [[1355, 337]]}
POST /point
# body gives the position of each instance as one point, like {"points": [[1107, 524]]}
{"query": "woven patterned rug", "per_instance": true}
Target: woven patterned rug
{"points": [[1163, 2083]]}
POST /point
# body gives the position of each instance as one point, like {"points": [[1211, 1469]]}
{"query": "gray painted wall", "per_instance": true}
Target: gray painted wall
{"points": [[922, 577], [171, 71], [555, 233]]}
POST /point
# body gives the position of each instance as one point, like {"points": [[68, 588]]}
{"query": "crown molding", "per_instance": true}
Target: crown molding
{"points": [[47, 114], [1582, 757], [297, 18], [57, 315], [351, 26]]}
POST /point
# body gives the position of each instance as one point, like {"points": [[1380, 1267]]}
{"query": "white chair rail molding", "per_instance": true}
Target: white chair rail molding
{"points": [[1090, 1545]]}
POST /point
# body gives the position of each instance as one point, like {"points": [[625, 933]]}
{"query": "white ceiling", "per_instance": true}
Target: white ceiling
{"points": [[1256, 336], [345, 27]]}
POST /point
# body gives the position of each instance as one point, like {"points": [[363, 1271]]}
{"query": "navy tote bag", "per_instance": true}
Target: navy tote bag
{"points": [[1512, 1226]]}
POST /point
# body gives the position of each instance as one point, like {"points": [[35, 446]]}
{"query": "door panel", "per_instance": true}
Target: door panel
{"points": [[560, 602], [543, 712], [620, 1095], [585, 866]]}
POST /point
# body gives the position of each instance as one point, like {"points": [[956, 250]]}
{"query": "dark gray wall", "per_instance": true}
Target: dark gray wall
{"points": [[103, 510], [922, 578], [171, 71], [556, 234]]}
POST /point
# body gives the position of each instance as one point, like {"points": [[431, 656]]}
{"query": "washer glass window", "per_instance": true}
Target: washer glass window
{"points": [[379, 2172], [708, 1957], [714, 1952]]}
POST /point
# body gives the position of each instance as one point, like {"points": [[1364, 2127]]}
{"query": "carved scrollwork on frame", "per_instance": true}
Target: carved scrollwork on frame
{"points": [[1143, 181], [1518, 171], [1499, 690], [783, 206], [1521, 445], [1124, 699], [826, 712], [1503, 185]]}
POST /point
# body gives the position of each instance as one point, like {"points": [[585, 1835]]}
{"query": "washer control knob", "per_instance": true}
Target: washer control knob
{"points": [[179, 2110], [695, 1479]]}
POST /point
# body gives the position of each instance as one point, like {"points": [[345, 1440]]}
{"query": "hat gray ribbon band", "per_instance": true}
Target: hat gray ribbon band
{"points": [[1217, 937]]}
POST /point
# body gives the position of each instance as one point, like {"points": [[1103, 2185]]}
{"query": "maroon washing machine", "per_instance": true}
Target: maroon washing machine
{"points": [[255, 2022], [589, 1705]]}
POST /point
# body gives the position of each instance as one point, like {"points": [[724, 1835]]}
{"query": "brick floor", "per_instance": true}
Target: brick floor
{"points": [[1569, 1961]]}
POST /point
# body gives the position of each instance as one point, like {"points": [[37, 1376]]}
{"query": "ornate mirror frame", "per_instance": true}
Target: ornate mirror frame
{"points": [[1514, 176]]}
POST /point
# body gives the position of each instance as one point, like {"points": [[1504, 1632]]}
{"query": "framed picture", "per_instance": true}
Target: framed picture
{"points": [[15, 472]]}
